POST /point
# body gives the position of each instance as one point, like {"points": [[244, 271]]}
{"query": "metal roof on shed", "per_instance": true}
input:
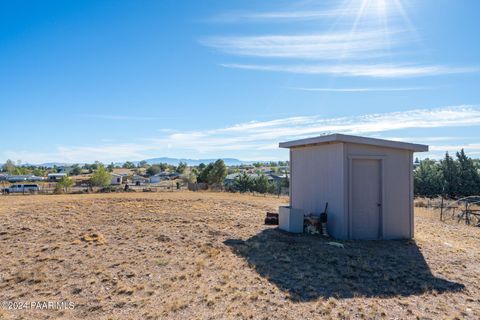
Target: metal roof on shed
{"points": [[335, 138]]}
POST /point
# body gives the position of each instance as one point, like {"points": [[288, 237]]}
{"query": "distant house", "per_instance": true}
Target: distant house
{"points": [[64, 169], [139, 180], [230, 178], [277, 178], [55, 176], [162, 176], [18, 178], [115, 179]]}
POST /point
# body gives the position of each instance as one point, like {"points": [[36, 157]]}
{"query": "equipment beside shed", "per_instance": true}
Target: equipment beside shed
{"points": [[290, 219]]}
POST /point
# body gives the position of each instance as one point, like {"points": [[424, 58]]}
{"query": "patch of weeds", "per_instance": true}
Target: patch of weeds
{"points": [[162, 262]]}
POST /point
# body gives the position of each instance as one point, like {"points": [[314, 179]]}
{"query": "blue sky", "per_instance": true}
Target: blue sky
{"points": [[128, 80]]}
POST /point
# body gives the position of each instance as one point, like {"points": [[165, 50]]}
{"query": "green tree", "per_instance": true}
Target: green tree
{"points": [[191, 177], [110, 167], [39, 172], [21, 170], [142, 164], [450, 175], [204, 171], [217, 173], [65, 183], [468, 177], [100, 178], [428, 179], [76, 170], [243, 182], [181, 167], [128, 165], [9, 166], [88, 167], [261, 184], [153, 170]]}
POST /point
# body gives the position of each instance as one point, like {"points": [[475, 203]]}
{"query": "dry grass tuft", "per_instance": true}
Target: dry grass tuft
{"points": [[94, 238]]}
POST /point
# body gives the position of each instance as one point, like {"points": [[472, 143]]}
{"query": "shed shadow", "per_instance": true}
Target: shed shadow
{"points": [[307, 267]]}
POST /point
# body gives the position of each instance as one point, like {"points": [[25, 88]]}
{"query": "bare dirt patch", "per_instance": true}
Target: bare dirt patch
{"points": [[208, 255]]}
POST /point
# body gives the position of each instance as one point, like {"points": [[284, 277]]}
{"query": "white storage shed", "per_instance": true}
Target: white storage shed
{"points": [[367, 182]]}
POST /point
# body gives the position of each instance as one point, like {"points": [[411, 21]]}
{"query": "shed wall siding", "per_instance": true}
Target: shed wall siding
{"points": [[396, 208], [318, 177]]}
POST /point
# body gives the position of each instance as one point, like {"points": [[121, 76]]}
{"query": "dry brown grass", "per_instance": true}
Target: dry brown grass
{"points": [[209, 256]]}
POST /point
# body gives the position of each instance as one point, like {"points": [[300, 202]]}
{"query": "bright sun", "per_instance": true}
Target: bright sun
{"points": [[377, 13]]}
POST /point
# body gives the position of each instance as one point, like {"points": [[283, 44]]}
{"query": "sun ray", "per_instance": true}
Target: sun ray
{"points": [[400, 8]]}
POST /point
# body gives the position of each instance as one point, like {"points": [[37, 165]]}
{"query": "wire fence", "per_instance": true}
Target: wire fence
{"points": [[465, 209]]}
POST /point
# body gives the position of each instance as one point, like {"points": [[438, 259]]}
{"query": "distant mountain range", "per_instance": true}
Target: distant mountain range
{"points": [[196, 162]]}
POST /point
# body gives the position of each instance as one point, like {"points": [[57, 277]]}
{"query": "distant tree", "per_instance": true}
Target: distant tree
{"points": [[87, 167], [194, 171], [100, 178], [261, 184], [191, 177], [428, 179], [285, 182], [164, 166], [21, 170], [96, 165], [9, 166], [65, 183], [181, 167], [110, 167], [153, 170], [217, 173], [204, 172], [76, 170], [128, 165], [142, 164], [450, 175], [39, 172], [282, 163], [468, 176], [243, 182]]}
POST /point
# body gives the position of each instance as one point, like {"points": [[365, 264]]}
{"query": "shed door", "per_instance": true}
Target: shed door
{"points": [[365, 213]]}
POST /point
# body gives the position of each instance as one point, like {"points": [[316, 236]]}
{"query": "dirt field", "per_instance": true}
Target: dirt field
{"points": [[208, 256]]}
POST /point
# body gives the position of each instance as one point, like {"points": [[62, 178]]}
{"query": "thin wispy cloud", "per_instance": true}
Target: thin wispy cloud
{"points": [[355, 90], [467, 147], [348, 10], [326, 46], [124, 117], [358, 70], [370, 41], [281, 16], [257, 138]]}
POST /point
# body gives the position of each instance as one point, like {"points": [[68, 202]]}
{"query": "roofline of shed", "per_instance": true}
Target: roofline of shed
{"points": [[337, 137]]}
